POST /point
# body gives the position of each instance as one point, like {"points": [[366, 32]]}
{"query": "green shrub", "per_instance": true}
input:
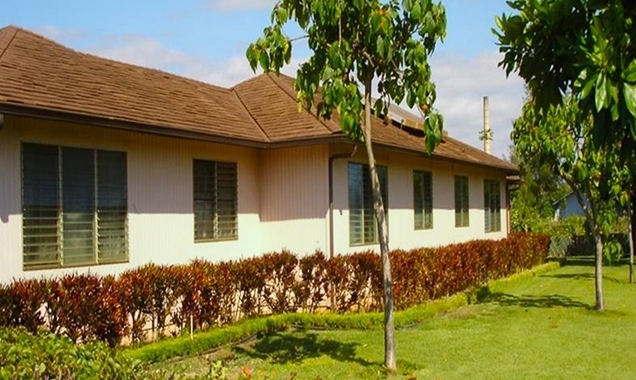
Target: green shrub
{"points": [[207, 295], [48, 356], [207, 340]]}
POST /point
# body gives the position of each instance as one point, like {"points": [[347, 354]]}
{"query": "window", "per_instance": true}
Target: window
{"points": [[363, 228], [215, 200], [492, 205], [74, 206], [423, 199], [461, 201]]}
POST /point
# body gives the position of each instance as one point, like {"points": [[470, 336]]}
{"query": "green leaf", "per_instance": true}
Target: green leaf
{"points": [[630, 73], [416, 12], [588, 83], [601, 92], [407, 5], [629, 94], [264, 61], [380, 46]]}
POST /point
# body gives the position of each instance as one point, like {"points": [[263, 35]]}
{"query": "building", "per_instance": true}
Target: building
{"points": [[105, 166]]}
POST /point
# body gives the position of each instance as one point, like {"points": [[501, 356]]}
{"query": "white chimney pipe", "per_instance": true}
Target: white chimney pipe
{"points": [[487, 134]]}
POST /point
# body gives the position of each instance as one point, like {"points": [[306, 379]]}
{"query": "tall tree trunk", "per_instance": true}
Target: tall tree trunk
{"points": [[598, 272], [591, 216], [378, 204], [630, 233]]}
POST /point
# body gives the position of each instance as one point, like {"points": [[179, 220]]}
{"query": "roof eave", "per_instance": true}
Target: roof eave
{"points": [[507, 170], [113, 123]]}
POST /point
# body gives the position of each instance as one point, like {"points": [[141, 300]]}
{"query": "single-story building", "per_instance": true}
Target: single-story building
{"points": [[106, 166]]}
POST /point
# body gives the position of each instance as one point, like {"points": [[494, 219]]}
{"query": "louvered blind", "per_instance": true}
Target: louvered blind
{"points": [[492, 206], [74, 206], [461, 202], [362, 222], [215, 200], [423, 199]]}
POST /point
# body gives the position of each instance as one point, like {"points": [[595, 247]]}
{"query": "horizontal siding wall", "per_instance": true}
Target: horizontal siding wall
{"points": [[160, 194], [402, 232], [294, 199]]}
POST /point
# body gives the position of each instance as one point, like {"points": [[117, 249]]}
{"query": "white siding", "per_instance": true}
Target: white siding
{"points": [[282, 197], [160, 204], [295, 199], [402, 232]]}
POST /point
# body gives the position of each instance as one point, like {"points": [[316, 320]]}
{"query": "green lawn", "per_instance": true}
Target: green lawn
{"points": [[541, 328]]}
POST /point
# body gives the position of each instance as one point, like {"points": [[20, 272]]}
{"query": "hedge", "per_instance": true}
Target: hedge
{"points": [[208, 340], [203, 294]]}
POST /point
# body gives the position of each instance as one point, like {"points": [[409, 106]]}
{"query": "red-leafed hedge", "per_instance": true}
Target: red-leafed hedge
{"points": [[88, 307]]}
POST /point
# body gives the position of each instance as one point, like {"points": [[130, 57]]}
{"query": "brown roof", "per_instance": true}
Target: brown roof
{"points": [[37, 73], [271, 101]]}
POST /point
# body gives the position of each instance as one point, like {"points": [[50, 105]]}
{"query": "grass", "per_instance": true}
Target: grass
{"points": [[535, 328]]}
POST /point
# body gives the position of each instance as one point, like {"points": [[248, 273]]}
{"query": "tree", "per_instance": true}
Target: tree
{"points": [[584, 48], [561, 139], [354, 44], [532, 204]]}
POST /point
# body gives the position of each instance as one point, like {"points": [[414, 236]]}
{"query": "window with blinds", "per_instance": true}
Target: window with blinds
{"points": [[461, 201], [74, 206], [215, 200], [363, 227], [492, 205], [423, 199]]}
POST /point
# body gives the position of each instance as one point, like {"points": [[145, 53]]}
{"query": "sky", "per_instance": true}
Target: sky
{"points": [[207, 39]]}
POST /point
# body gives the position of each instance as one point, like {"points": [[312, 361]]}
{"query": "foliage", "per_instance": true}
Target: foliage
{"points": [[48, 356], [530, 329], [87, 307], [354, 43], [582, 47], [540, 188], [207, 340], [585, 49], [561, 138]]}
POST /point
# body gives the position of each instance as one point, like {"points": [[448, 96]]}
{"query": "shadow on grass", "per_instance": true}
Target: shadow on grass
{"points": [[550, 301], [590, 261], [581, 276], [283, 348], [580, 261]]}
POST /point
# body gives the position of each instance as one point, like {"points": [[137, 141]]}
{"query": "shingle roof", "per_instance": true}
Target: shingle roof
{"points": [[38, 73], [271, 101]]}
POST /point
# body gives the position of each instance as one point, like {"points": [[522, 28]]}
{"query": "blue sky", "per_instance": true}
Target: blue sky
{"points": [[206, 40]]}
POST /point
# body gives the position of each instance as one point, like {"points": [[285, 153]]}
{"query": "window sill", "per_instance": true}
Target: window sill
{"points": [[35, 267], [196, 241], [352, 245]]}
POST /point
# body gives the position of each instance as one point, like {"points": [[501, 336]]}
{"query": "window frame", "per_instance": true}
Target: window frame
{"points": [[59, 220], [492, 205], [383, 176], [423, 206], [462, 201], [214, 198]]}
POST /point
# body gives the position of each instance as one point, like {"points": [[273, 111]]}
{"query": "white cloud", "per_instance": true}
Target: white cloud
{"points": [[146, 52], [461, 85], [234, 5], [62, 35]]}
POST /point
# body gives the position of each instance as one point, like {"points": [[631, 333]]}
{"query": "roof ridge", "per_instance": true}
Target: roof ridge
{"points": [[296, 100], [115, 61], [10, 28], [238, 97]]}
